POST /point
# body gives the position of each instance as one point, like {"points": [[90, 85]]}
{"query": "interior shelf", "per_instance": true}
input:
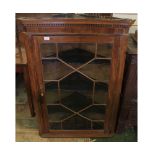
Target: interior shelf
{"points": [[95, 112], [76, 81], [76, 101], [70, 93], [76, 123], [57, 113], [77, 52], [76, 57], [97, 70]]}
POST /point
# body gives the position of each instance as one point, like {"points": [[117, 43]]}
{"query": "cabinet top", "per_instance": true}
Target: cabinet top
{"points": [[72, 20]]}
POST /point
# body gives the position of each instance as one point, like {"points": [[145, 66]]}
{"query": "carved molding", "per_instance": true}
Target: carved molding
{"points": [[76, 28], [75, 25]]}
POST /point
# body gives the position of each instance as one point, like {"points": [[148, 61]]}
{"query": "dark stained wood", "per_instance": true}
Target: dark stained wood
{"points": [[107, 30], [73, 25], [128, 108], [27, 40], [23, 70], [21, 67], [76, 134], [29, 91]]}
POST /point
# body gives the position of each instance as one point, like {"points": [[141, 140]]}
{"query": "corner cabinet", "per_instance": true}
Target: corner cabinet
{"points": [[76, 67]]}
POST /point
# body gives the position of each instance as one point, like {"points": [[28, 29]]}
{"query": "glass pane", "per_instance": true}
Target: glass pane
{"points": [[101, 93], [76, 98], [98, 69], [76, 101], [76, 82], [51, 93], [54, 69], [48, 50], [55, 125], [76, 92], [76, 123], [76, 54], [95, 112], [56, 114], [98, 125], [104, 50]]}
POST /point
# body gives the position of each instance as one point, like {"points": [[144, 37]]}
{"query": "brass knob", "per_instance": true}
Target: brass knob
{"points": [[41, 94]]}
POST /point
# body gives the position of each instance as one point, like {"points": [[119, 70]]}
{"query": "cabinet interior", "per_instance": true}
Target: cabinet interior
{"points": [[76, 79]]}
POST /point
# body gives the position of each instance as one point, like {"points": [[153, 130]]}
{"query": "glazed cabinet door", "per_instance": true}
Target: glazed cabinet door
{"points": [[76, 84]]}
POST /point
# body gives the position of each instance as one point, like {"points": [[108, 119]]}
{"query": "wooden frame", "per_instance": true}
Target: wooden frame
{"points": [[75, 30]]}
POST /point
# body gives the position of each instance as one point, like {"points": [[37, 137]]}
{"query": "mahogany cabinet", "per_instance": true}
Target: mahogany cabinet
{"points": [[76, 66]]}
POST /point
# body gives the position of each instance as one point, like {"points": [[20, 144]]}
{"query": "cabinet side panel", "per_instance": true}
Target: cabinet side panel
{"points": [[118, 60]]}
